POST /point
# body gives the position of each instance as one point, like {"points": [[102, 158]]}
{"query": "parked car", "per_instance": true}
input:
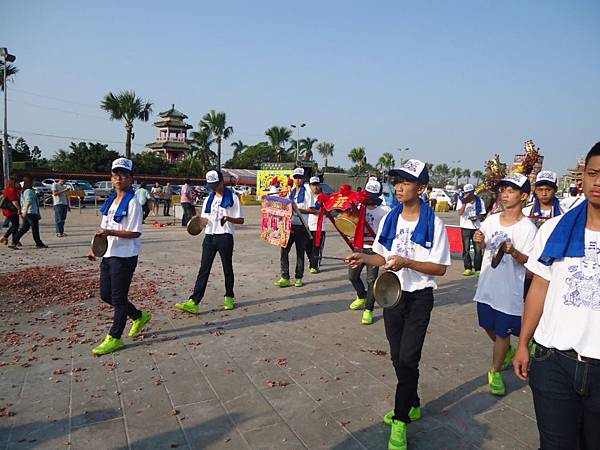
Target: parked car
{"points": [[441, 196], [103, 188], [87, 188], [41, 189], [48, 182]]}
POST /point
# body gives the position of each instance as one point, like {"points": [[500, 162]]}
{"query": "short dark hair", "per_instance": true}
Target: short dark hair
{"points": [[187, 181], [594, 151]]}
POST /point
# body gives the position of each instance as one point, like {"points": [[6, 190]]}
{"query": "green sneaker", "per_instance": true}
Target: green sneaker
{"points": [[468, 272], [108, 345], [367, 318], [139, 324], [398, 439], [357, 304], [414, 414], [496, 383], [298, 282], [478, 272], [190, 307], [510, 354], [532, 347], [228, 303], [282, 282], [313, 270]]}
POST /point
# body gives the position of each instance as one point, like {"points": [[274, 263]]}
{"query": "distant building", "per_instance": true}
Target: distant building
{"points": [[171, 143], [573, 176]]}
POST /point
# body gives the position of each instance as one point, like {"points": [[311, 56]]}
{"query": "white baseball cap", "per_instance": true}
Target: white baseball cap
{"points": [[122, 164], [546, 177], [468, 188], [412, 170], [518, 181], [373, 187], [298, 172], [213, 178], [314, 180]]}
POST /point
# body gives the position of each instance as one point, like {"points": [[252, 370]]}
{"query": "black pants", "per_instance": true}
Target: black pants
{"points": [[31, 221], [359, 287], [405, 329], [146, 210], [467, 237], [299, 237], [188, 212], [213, 244], [566, 397], [167, 207], [13, 225], [115, 277], [314, 253]]}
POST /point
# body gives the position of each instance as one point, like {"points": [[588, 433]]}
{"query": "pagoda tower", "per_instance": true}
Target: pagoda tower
{"points": [[172, 141]]}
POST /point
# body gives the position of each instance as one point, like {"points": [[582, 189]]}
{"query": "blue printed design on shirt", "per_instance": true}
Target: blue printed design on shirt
{"points": [[584, 280], [497, 239], [403, 245]]}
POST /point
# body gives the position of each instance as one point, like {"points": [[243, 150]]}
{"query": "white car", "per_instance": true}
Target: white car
{"points": [[440, 195]]}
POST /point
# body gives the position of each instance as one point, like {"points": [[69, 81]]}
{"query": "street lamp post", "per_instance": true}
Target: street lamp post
{"points": [[6, 155], [297, 127], [402, 150]]}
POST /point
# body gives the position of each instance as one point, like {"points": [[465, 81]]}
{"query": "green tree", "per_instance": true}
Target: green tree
{"points": [[200, 152], [478, 174], [439, 175], [149, 163], [466, 174], [21, 151], [325, 149], [254, 155], [278, 136], [11, 71], [128, 107], [84, 157], [238, 148], [386, 161], [358, 155], [306, 146], [216, 123]]}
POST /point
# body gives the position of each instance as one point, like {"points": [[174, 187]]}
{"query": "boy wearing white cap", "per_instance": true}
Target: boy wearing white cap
{"points": [[470, 208], [305, 202], [313, 252], [499, 294], [122, 226], [221, 211], [545, 204], [375, 212], [412, 242]]}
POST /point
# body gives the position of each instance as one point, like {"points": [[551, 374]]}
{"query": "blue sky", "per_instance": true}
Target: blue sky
{"points": [[450, 80]]}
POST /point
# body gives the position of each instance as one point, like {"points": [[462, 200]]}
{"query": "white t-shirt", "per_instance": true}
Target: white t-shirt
{"points": [[60, 199], [373, 218], [470, 211], [309, 202], [570, 203], [216, 213], [502, 287], [439, 253], [571, 316], [123, 247]]}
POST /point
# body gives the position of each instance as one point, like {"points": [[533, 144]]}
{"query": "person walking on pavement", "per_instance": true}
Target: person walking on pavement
{"points": [[167, 192], [30, 212], [12, 208], [187, 203], [61, 205]]}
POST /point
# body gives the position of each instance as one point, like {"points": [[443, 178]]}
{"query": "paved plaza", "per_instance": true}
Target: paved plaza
{"points": [[288, 368]]}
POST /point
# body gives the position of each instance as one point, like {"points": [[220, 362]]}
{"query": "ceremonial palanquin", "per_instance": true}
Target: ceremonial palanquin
{"points": [[276, 220]]}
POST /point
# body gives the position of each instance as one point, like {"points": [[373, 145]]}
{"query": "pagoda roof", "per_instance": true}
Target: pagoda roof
{"points": [[173, 113], [169, 145], [173, 123]]}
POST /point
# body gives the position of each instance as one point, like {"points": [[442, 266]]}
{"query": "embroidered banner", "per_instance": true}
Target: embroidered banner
{"points": [[276, 220]]}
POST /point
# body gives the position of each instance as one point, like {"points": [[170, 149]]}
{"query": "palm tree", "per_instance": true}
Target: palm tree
{"points": [[386, 161], [478, 174], [358, 157], [456, 173], [278, 136], [466, 174], [11, 71], [200, 142], [128, 107], [306, 146], [325, 149], [216, 123], [238, 147]]}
